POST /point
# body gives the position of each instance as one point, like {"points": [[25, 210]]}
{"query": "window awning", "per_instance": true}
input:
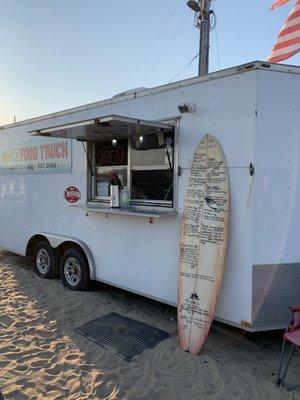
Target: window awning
{"points": [[104, 128]]}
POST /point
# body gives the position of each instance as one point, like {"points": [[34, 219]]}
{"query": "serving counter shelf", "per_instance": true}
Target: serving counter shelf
{"points": [[130, 211]]}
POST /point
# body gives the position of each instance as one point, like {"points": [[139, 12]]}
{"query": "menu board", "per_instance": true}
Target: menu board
{"points": [[203, 243]]}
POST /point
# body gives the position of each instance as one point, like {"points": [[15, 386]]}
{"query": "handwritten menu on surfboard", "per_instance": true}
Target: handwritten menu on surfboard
{"points": [[203, 243]]}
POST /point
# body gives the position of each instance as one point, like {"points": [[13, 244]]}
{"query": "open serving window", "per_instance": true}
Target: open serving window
{"points": [[141, 153]]}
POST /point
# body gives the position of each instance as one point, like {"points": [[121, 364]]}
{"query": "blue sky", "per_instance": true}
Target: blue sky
{"points": [[57, 54]]}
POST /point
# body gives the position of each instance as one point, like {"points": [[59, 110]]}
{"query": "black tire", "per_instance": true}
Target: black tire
{"points": [[51, 257], [74, 270]]}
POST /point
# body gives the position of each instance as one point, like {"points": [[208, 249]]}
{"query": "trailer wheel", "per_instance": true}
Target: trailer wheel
{"points": [[74, 270], [46, 261]]}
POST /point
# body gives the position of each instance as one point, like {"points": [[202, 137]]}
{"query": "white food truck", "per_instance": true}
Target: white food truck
{"points": [[55, 176]]}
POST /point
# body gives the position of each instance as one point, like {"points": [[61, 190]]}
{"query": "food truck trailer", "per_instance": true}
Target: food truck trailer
{"points": [[55, 188]]}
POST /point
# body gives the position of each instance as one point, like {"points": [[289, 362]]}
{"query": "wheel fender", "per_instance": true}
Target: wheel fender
{"points": [[57, 240]]}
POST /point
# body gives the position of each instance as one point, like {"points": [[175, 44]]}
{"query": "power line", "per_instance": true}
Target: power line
{"points": [[185, 68], [166, 48], [153, 43], [216, 33]]}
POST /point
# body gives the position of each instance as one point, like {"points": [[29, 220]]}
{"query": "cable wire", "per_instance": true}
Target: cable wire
{"points": [[166, 48], [216, 33], [153, 43], [213, 27], [185, 68]]}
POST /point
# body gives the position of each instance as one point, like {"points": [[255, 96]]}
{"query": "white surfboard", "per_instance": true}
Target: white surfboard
{"points": [[203, 244]]}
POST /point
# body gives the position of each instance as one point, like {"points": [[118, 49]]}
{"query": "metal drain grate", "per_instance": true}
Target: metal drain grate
{"points": [[126, 336]]}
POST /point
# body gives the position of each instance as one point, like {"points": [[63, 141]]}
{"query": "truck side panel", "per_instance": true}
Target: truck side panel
{"points": [[130, 251], [276, 198]]}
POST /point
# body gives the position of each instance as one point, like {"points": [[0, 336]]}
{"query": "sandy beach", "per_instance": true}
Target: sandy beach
{"points": [[42, 357]]}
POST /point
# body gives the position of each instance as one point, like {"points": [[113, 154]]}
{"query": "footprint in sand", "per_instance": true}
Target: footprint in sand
{"points": [[71, 357], [6, 321], [21, 368]]}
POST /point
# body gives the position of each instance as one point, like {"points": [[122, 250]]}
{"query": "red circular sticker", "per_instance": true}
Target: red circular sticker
{"points": [[72, 194]]}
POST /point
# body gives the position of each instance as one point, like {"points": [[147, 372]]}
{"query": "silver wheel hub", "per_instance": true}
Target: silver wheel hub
{"points": [[43, 261], [72, 271]]}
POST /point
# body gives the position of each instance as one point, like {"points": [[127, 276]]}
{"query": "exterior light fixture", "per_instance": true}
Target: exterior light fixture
{"points": [[187, 108], [141, 139], [114, 142], [194, 5]]}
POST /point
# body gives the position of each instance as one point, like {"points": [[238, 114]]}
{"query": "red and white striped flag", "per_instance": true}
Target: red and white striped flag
{"points": [[278, 3], [288, 41]]}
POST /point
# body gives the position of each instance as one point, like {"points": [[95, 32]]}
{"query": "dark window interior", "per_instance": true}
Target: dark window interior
{"points": [[152, 185], [150, 165]]}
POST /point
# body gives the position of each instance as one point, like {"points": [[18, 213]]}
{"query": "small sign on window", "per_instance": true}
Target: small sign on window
{"points": [[102, 189]]}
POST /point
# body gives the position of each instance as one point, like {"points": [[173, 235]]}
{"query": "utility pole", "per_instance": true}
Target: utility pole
{"points": [[204, 39], [202, 8]]}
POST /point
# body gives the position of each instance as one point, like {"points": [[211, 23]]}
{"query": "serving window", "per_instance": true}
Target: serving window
{"points": [[139, 152], [143, 163]]}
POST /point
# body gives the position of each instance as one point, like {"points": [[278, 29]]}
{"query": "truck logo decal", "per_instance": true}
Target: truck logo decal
{"points": [[36, 156], [72, 194]]}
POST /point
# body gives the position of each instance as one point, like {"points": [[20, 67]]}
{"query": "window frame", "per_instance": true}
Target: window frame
{"points": [[91, 179], [137, 203]]}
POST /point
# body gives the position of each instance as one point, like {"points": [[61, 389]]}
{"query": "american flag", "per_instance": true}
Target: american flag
{"points": [[288, 41], [278, 3]]}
